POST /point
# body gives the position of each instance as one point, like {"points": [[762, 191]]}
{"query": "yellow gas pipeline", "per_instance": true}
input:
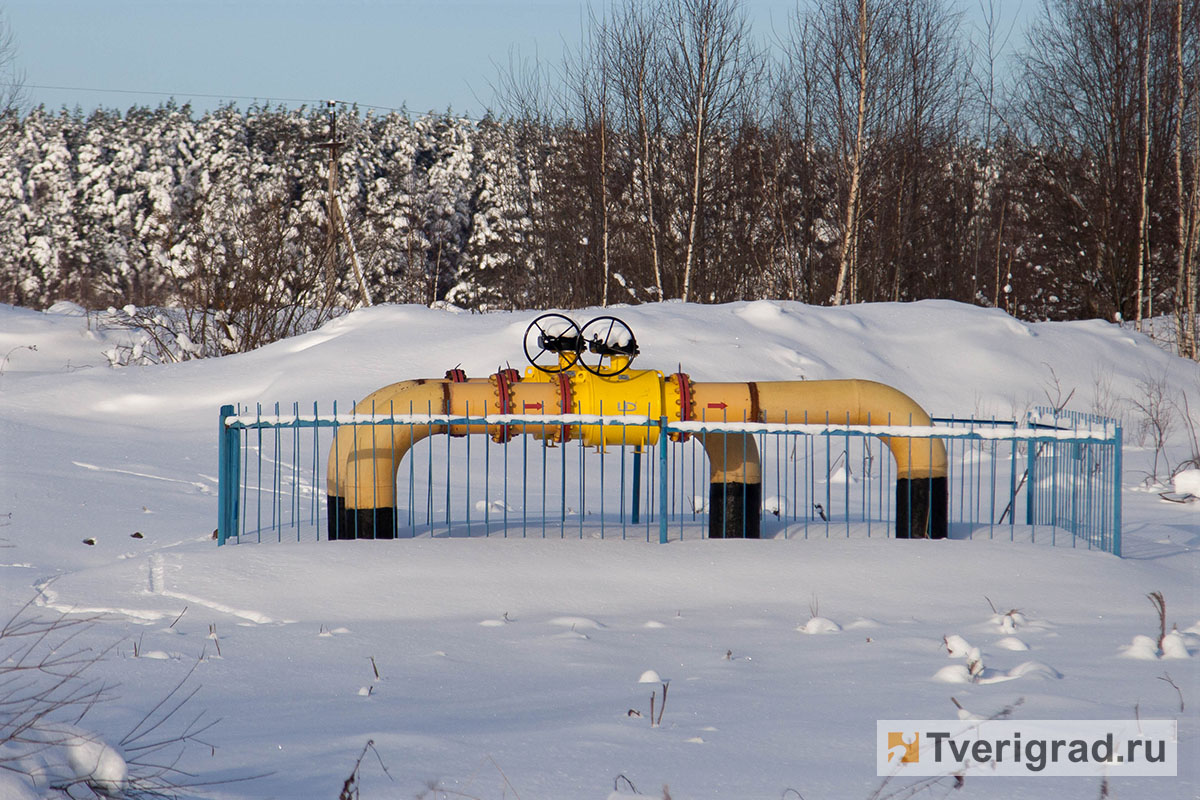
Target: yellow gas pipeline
{"points": [[363, 459]]}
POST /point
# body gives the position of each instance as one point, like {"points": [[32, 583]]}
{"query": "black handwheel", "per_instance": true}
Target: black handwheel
{"points": [[557, 335], [608, 336]]}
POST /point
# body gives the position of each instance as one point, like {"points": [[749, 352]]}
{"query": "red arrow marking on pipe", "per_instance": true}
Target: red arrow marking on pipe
{"points": [[717, 405], [527, 406]]}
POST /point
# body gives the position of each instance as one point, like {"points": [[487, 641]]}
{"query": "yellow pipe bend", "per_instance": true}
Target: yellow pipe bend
{"points": [[361, 469], [836, 402], [363, 456]]}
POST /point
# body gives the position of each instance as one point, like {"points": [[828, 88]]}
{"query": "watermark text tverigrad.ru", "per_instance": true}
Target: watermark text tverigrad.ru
{"points": [[1026, 747]]}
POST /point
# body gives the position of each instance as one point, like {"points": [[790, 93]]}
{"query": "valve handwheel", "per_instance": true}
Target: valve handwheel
{"points": [[608, 337], [557, 335]]}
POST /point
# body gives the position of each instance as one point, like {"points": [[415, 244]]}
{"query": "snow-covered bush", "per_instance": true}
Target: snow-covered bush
{"points": [[47, 749], [170, 335]]}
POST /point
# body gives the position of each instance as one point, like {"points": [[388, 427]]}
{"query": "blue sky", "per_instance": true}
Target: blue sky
{"points": [[423, 54]]}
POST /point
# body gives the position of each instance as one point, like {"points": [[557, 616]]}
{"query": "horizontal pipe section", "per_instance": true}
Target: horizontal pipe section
{"points": [[363, 459], [839, 402]]}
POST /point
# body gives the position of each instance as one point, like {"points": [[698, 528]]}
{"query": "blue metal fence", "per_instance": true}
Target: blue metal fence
{"points": [[1075, 481], [1053, 478]]}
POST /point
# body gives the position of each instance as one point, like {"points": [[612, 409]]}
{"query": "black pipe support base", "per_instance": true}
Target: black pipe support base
{"points": [[734, 510], [359, 523], [336, 528], [921, 508]]}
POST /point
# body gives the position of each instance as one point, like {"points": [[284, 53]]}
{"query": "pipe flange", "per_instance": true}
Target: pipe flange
{"points": [[566, 403], [683, 401], [503, 380], [448, 409]]}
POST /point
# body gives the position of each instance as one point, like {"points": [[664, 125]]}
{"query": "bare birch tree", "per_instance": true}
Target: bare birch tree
{"points": [[1191, 228], [794, 102], [985, 73], [635, 58], [848, 255], [855, 92], [589, 76], [930, 74], [711, 68], [1143, 211], [1187, 204]]}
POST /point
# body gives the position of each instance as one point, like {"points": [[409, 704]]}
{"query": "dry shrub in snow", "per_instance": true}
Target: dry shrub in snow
{"points": [[46, 747]]}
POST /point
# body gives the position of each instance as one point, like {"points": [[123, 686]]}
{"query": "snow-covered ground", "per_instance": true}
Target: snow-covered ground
{"points": [[497, 668]]}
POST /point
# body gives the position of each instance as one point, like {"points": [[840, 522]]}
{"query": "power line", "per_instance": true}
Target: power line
{"points": [[172, 94], [206, 96]]}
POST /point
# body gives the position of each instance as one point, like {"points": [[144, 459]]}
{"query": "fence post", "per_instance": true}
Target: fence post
{"points": [[1031, 497], [636, 513], [228, 457], [662, 479], [1117, 496]]}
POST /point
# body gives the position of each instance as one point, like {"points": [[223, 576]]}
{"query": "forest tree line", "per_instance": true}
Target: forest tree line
{"points": [[871, 150]]}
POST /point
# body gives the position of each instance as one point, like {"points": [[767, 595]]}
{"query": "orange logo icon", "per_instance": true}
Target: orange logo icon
{"points": [[903, 748]]}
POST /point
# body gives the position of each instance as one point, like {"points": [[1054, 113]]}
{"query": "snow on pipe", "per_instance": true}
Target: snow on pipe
{"points": [[363, 459]]}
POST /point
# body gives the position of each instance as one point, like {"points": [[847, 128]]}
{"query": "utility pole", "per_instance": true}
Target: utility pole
{"points": [[337, 220]]}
